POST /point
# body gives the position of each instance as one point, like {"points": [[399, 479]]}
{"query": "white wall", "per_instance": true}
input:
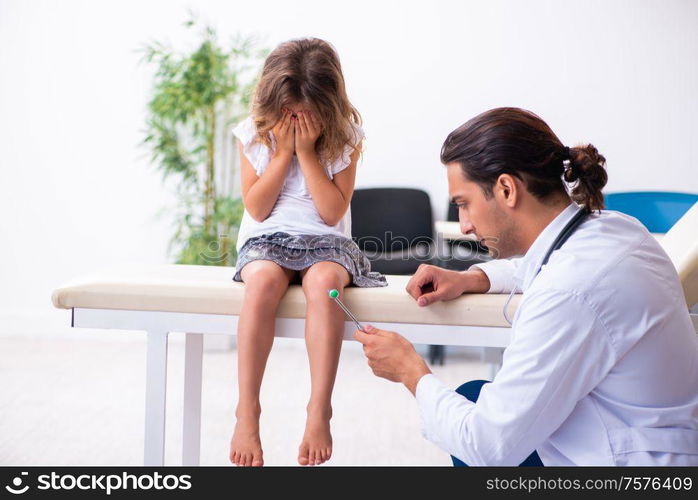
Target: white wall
{"points": [[78, 194]]}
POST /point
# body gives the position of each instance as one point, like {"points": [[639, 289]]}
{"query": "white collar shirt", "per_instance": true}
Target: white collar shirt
{"points": [[602, 368]]}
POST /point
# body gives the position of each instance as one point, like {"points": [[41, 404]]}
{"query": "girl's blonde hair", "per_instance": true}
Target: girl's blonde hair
{"points": [[307, 70]]}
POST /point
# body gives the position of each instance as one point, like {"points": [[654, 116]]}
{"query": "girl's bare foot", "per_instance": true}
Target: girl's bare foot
{"points": [[245, 445], [316, 447]]}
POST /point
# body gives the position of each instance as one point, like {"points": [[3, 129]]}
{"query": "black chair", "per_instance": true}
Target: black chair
{"points": [[395, 229]]}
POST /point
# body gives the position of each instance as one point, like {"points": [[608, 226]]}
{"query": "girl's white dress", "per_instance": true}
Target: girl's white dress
{"points": [[294, 212], [294, 235]]}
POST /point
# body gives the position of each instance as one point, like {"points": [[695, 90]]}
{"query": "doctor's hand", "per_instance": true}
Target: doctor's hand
{"points": [[392, 357], [431, 284]]}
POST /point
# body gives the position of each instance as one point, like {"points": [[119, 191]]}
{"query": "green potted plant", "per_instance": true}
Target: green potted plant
{"points": [[197, 96]]}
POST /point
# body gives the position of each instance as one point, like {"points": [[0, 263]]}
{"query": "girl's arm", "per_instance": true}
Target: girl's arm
{"points": [[330, 196], [259, 193]]}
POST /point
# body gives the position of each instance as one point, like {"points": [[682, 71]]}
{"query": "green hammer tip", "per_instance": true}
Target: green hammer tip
{"points": [[334, 293]]}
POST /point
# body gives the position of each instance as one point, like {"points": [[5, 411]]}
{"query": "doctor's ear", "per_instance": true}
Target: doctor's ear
{"points": [[506, 189]]}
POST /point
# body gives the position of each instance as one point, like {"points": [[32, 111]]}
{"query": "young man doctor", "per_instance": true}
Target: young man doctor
{"points": [[602, 368]]}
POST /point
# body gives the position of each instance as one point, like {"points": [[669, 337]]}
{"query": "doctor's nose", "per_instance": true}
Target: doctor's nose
{"points": [[466, 227]]}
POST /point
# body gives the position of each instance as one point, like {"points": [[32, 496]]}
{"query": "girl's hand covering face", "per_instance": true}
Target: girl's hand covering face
{"points": [[284, 133], [308, 129]]}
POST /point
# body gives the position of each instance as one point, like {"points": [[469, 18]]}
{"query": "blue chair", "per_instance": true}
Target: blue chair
{"points": [[657, 210]]}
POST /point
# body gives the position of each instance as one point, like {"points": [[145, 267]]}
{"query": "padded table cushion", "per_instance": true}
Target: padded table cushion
{"points": [[211, 290]]}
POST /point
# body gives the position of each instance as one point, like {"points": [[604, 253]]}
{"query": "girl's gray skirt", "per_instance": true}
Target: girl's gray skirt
{"points": [[298, 252]]}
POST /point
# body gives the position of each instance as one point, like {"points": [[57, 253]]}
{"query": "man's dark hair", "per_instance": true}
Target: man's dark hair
{"points": [[517, 142]]}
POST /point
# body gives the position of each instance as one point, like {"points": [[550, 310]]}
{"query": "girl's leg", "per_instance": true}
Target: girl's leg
{"points": [[265, 285], [324, 325]]}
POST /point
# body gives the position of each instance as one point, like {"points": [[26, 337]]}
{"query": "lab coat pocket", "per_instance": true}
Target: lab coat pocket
{"points": [[653, 439]]}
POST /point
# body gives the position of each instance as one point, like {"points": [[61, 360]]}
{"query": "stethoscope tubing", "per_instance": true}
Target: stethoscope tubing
{"points": [[564, 235]]}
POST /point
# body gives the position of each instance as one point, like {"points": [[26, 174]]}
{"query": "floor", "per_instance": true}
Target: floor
{"points": [[77, 398]]}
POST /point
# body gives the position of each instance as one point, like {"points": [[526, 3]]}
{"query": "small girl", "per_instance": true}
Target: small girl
{"points": [[298, 155]]}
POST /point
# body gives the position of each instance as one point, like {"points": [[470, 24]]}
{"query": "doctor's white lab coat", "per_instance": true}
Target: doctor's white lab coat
{"points": [[602, 368]]}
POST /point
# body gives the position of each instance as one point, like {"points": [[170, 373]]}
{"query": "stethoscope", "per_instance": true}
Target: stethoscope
{"points": [[564, 235]]}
